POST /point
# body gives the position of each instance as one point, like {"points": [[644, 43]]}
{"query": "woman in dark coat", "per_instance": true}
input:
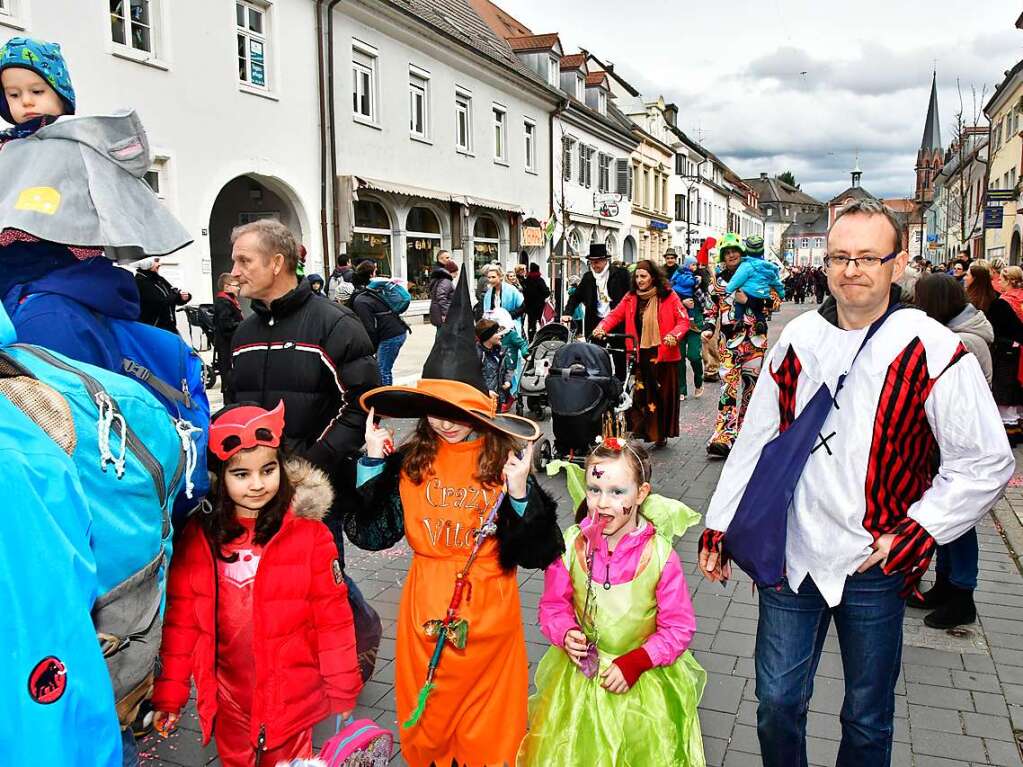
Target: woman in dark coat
{"points": [[158, 299], [535, 292], [1008, 327]]}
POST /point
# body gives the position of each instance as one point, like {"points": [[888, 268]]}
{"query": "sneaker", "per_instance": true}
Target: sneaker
{"points": [[698, 392], [719, 449], [681, 397]]}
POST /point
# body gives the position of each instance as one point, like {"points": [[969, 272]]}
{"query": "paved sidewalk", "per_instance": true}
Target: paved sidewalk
{"points": [[959, 699]]}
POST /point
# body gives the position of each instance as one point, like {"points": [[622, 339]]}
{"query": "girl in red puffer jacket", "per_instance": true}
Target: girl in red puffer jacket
{"points": [[257, 609]]}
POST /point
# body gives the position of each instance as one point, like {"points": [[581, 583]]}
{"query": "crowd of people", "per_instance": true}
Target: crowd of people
{"points": [[243, 592]]}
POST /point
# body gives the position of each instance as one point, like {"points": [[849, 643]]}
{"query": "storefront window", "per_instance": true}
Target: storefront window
{"points": [[372, 236], [423, 242], [486, 243]]}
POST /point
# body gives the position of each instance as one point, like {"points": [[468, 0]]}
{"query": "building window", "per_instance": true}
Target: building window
{"points": [[603, 173], [529, 144], [804, 242], [623, 179], [602, 102], [580, 88], [156, 178], [500, 134], [486, 242], [553, 71], [567, 147], [131, 23], [252, 35], [371, 236], [585, 166], [463, 121], [419, 103], [422, 233], [364, 82]]}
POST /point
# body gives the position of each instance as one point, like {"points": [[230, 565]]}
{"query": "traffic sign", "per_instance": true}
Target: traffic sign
{"points": [[1001, 195]]}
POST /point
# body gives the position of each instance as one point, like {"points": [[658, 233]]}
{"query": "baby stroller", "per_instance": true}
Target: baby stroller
{"points": [[584, 396], [201, 318], [533, 382]]}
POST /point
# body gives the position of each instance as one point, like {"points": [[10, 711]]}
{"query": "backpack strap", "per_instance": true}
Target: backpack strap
{"points": [[146, 376], [387, 308]]}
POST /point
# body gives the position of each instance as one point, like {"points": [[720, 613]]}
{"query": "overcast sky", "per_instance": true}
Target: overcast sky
{"points": [[800, 85]]}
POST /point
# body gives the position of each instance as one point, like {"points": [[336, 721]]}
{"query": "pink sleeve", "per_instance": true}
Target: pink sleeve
{"points": [[556, 611], [676, 622]]}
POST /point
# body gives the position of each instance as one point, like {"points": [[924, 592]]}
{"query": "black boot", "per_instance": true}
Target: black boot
{"points": [[957, 611], [934, 597]]}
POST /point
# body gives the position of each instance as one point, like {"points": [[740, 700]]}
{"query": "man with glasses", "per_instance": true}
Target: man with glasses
{"points": [[906, 451]]}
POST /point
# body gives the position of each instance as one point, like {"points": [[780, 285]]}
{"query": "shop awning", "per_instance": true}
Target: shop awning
{"points": [[392, 187], [481, 202]]}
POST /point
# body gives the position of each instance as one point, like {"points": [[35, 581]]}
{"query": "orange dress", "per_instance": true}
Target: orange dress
{"points": [[476, 714]]}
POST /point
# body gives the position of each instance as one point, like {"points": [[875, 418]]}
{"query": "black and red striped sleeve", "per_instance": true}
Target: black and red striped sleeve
{"points": [[910, 553]]}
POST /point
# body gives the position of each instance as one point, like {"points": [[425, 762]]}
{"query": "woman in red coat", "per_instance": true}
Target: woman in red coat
{"points": [[257, 609], [655, 318]]}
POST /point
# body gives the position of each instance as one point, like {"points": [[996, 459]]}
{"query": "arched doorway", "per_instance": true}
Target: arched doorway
{"points": [[242, 200], [422, 233], [629, 249], [1014, 250]]}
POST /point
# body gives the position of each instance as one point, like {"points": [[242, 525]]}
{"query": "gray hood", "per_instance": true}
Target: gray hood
{"points": [[972, 321], [79, 181]]}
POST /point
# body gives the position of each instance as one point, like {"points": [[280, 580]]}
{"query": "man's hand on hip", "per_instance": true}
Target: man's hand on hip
{"points": [[880, 554]]}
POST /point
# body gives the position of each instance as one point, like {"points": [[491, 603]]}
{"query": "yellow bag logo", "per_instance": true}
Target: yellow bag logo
{"points": [[41, 199]]}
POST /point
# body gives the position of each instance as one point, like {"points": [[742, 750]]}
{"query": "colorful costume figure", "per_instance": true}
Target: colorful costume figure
{"points": [[643, 620], [741, 351], [472, 709]]}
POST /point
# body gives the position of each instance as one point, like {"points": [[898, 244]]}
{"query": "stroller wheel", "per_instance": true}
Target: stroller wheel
{"points": [[210, 376], [518, 407], [538, 414], [543, 455]]}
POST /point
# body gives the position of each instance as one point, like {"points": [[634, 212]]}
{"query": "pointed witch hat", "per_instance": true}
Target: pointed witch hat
{"points": [[452, 385]]}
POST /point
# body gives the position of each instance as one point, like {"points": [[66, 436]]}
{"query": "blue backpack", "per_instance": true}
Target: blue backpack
{"points": [[58, 705], [393, 294], [131, 463], [173, 373]]}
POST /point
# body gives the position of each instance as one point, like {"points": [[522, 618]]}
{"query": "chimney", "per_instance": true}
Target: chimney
{"points": [[609, 67], [763, 177], [671, 114]]}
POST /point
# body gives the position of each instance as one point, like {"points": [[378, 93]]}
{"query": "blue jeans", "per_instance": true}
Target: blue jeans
{"points": [[387, 353], [129, 749], [958, 561], [790, 637]]}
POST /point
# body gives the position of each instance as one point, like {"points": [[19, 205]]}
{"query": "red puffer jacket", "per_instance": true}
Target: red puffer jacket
{"points": [[303, 632], [672, 318]]}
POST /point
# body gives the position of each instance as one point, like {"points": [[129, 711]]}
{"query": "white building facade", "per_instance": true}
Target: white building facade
{"points": [[441, 145], [233, 131]]}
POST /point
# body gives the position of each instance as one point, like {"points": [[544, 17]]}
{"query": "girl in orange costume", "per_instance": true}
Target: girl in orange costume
{"points": [[464, 466]]}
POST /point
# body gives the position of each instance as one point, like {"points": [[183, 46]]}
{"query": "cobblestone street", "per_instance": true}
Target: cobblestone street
{"points": [[959, 699]]}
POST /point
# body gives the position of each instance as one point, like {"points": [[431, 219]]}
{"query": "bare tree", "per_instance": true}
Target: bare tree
{"points": [[964, 212]]}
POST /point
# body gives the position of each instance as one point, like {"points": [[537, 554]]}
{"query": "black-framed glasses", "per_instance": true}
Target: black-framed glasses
{"points": [[863, 262]]}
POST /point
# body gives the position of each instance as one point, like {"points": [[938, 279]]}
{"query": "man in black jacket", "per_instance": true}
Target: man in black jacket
{"points": [[442, 287], [599, 290], [315, 355]]}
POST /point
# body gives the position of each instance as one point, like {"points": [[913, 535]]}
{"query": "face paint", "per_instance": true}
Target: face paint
{"points": [[596, 472]]}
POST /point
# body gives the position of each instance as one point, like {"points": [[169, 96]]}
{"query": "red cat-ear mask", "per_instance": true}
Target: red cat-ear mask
{"points": [[246, 427]]}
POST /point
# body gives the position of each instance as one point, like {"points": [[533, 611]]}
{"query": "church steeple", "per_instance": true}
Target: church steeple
{"points": [[932, 127], [857, 174], [930, 158]]}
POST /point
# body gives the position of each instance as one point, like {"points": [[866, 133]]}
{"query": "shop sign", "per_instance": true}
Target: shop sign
{"points": [[1001, 195], [993, 215], [533, 237], [606, 205], [658, 225]]}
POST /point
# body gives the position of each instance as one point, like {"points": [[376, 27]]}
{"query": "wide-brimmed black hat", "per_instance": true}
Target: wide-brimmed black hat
{"points": [[452, 385], [598, 251]]}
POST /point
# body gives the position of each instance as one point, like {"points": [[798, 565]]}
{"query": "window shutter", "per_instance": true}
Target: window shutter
{"points": [[622, 178]]}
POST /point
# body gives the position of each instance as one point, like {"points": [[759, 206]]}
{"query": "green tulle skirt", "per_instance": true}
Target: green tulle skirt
{"points": [[574, 721]]}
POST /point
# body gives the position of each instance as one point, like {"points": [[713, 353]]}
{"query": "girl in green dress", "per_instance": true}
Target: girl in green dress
{"points": [[619, 687]]}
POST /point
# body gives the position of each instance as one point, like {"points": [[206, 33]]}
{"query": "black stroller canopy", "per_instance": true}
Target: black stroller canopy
{"points": [[581, 380]]}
